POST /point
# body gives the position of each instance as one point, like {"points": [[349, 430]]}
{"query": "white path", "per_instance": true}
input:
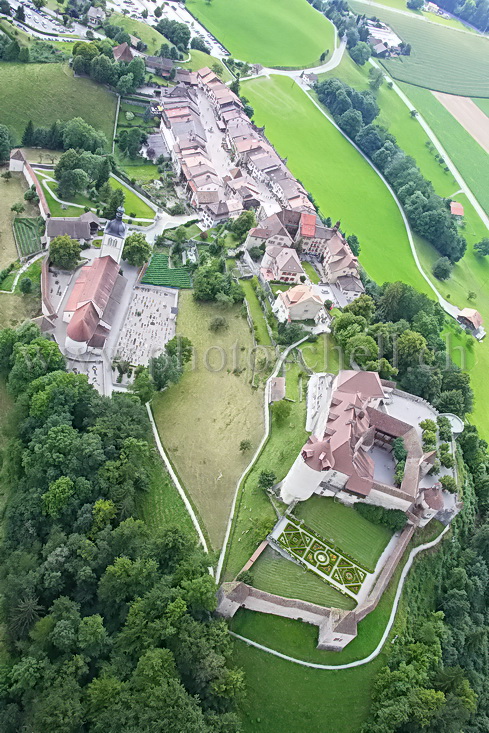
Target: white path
{"points": [[21, 271], [266, 412], [177, 483], [358, 662]]}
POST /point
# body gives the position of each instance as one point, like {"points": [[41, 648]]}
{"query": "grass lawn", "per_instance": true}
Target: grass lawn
{"points": [[142, 173], [275, 33], [161, 506], [199, 59], [203, 418], [311, 272], [34, 273], [342, 182], [441, 57], [281, 695], [151, 37], [471, 160], [42, 155], [253, 510], [58, 96], [353, 534], [15, 309], [274, 574], [261, 332], [11, 192], [133, 205], [321, 355]]}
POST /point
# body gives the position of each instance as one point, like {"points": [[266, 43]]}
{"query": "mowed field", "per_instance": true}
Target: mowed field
{"points": [[442, 58], [344, 185], [273, 33], [421, 15], [469, 115], [57, 96], [203, 418]]}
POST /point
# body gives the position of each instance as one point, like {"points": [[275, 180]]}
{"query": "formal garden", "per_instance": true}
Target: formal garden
{"points": [[324, 559], [28, 234]]}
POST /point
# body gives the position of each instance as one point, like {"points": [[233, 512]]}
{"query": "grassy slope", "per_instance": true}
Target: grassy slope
{"points": [[256, 312], [441, 57], [401, 5], [275, 574], [58, 96], [199, 59], [203, 418], [132, 203], [275, 33], [344, 185], [151, 37], [352, 534]]}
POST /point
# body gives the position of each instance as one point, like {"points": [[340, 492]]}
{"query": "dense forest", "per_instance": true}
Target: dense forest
{"points": [[428, 214], [108, 625], [475, 12]]}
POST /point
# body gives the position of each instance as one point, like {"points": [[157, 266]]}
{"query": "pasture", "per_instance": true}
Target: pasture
{"points": [[58, 96], [151, 37], [344, 185], [203, 418], [441, 58], [276, 33]]}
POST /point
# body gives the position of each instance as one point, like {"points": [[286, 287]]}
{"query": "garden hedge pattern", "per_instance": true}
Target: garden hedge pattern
{"points": [[159, 273], [27, 235]]}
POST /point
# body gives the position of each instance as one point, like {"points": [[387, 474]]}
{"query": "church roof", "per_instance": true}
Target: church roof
{"points": [[95, 284]]}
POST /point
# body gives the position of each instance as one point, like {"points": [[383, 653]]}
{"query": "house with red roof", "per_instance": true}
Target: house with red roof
{"points": [[300, 303], [472, 321]]}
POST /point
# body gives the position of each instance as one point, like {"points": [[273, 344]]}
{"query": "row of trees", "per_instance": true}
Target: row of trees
{"points": [[108, 625], [475, 12], [75, 133], [396, 331], [428, 214]]}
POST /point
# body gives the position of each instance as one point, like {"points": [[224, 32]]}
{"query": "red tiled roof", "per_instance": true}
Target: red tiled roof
{"points": [[95, 283], [456, 209], [83, 324], [308, 225]]}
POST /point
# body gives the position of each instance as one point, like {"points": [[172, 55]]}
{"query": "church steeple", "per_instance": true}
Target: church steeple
{"points": [[114, 237]]}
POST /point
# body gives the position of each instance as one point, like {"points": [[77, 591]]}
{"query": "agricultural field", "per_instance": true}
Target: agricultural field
{"points": [[471, 160], [11, 192], [274, 574], [441, 58], [27, 234], [58, 96], [344, 185], [159, 273], [421, 15], [203, 418], [342, 525], [276, 33], [199, 59], [151, 37], [483, 104]]}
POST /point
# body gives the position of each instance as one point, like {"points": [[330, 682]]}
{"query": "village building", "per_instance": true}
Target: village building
{"points": [[348, 453], [456, 209], [95, 16], [300, 303], [82, 228], [281, 264], [123, 53], [472, 321], [159, 65]]}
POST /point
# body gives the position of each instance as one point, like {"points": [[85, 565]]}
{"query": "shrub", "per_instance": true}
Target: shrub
{"points": [[444, 428], [394, 519], [219, 323], [281, 410], [449, 484], [399, 473], [428, 425], [399, 451], [447, 460]]}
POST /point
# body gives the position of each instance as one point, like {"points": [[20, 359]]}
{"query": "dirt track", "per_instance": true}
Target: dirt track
{"points": [[469, 115]]}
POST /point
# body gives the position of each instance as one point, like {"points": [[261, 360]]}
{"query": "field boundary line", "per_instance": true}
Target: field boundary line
{"points": [[358, 662], [256, 455], [176, 481]]}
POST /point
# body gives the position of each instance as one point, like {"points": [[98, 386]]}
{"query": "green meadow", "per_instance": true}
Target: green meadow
{"points": [[273, 33]]}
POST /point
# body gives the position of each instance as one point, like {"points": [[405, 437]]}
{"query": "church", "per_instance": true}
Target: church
{"points": [[96, 294]]}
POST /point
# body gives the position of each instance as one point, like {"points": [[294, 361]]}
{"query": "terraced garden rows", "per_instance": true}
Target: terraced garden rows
{"points": [[28, 235], [159, 273]]}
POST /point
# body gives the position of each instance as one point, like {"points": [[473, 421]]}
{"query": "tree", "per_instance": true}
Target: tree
{"points": [[281, 410], [12, 51], [18, 208], [361, 53], [116, 200], [143, 386], [6, 176], [5, 143], [57, 496], [158, 12], [415, 4], [411, 347], [103, 173], [245, 446], [199, 44], [25, 285], [354, 244], [72, 182], [376, 78], [39, 3], [136, 250], [442, 268], [125, 85], [243, 224], [449, 484], [5, 7], [20, 13], [165, 370], [351, 122], [482, 248], [64, 252], [266, 479], [219, 323], [181, 347]]}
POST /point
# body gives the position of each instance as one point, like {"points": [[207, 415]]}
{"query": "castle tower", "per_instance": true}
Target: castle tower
{"points": [[114, 237]]}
